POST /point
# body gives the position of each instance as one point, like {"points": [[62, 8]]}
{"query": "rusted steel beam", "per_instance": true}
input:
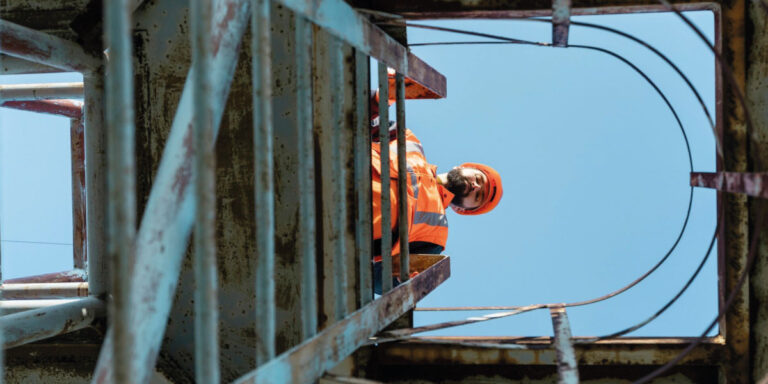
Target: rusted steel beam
{"points": [[169, 214], [402, 176], [63, 107], [10, 65], [567, 368], [77, 145], [485, 351], [362, 153], [386, 219], [42, 48], [561, 21], [340, 20], [76, 275], [43, 290], [39, 324], [20, 92], [96, 185], [432, 9], [329, 347], [751, 184]]}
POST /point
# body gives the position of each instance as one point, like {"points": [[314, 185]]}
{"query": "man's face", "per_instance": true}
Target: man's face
{"points": [[470, 186]]}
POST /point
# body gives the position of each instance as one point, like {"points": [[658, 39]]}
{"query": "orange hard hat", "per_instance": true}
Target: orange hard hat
{"points": [[494, 190]]}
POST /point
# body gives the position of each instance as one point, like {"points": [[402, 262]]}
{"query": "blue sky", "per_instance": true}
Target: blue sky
{"points": [[594, 166]]}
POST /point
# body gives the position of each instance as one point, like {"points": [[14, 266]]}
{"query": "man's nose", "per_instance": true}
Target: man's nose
{"points": [[475, 186]]}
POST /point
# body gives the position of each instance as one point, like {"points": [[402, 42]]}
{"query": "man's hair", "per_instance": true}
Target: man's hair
{"points": [[457, 184]]}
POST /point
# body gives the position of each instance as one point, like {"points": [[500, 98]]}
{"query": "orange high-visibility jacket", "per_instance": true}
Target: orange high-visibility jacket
{"points": [[427, 199]]}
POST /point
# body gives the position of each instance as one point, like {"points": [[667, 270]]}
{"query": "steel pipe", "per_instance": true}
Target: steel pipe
{"points": [[10, 65], [567, 368], [561, 21], [264, 188], [339, 214], [204, 168], [751, 184], [59, 107], [386, 219], [22, 92], [96, 186], [169, 214], [13, 306], [42, 323], [402, 183], [76, 275], [43, 290], [121, 182], [77, 145], [42, 48]]}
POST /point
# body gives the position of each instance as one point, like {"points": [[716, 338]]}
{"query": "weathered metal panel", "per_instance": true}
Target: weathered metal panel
{"points": [[168, 217], [402, 175], [348, 136], [21, 92], [386, 217], [342, 338], [61, 107], [42, 48], [26, 327], [362, 174]]}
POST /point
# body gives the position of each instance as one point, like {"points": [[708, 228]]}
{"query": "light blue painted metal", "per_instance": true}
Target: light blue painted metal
{"points": [[306, 165], [308, 361], [42, 48], [263, 180], [39, 324], [121, 178], [362, 152], [169, 214], [561, 21], [567, 368], [20, 92], [96, 186], [206, 289], [339, 19], [402, 176], [386, 220]]}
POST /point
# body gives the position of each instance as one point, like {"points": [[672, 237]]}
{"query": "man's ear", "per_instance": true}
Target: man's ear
{"points": [[456, 208]]}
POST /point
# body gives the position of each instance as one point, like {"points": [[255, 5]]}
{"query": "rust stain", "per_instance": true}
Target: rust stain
{"points": [[221, 27], [184, 173]]}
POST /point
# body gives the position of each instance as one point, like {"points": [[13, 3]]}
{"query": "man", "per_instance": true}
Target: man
{"points": [[469, 189]]}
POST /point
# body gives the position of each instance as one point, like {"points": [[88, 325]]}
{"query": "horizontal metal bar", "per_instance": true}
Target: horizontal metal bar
{"points": [[752, 184], [39, 324], [76, 275], [43, 290], [14, 306], [61, 107], [535, 351], [339, 340], [333, 379], [10, 65], [342, 21], [18, 92], [42, 48]]}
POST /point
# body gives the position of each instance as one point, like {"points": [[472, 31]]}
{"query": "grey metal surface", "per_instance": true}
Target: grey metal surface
{"points": [[38, 324], [362, 153], [77, 161], [43, 290], [561, 20], [402, 175], [21, 92], [42, 48], [96, 185]]}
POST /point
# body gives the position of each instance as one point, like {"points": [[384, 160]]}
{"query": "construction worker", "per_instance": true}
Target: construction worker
{"points": [[469, 189]]}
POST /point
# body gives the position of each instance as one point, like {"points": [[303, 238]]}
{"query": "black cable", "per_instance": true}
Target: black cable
{"points": [[614, 293]]}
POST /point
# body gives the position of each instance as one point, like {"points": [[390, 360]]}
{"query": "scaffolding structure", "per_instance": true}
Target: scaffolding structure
{"points": [[247, 123]]}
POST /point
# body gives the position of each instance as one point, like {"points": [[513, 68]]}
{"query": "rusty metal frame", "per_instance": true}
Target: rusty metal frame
{"points": [[751, 184], [341, 339], [38, 324]]}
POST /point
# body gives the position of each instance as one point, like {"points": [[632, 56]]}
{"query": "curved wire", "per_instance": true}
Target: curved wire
{"points": [[404, 332]]}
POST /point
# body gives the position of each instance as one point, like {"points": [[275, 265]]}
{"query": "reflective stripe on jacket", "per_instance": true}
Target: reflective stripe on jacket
{"points": [[427, 199]]}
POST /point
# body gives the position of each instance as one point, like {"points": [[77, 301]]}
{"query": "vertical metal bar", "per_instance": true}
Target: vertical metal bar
{"points": [[561, 21], [339, 214], [306, 185], [263, 180], [402, 186], [206, 290], [567, 368], [79, 253], [96, 186], [121, 180], [362, 150], [386, 219]]}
